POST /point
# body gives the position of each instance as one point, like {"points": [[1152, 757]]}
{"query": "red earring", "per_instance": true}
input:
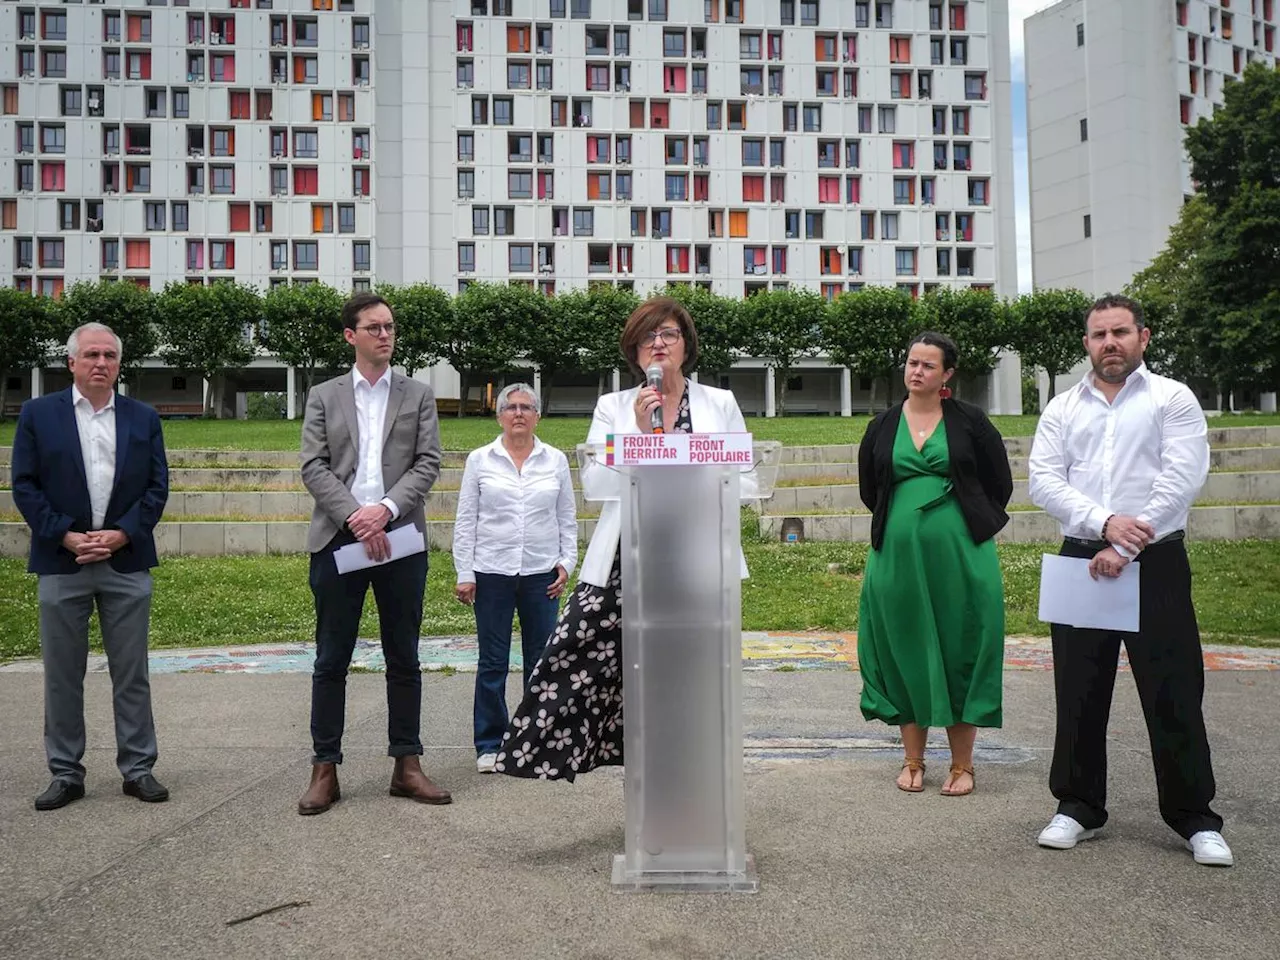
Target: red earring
{"points": [[944, 393]]}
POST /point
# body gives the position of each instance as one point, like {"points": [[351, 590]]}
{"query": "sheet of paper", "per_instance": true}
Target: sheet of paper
{"points": [[405, 541], [1069, 595]]}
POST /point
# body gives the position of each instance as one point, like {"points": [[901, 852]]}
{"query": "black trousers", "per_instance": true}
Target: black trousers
{"points": [[1168, 668], [398, 590]]}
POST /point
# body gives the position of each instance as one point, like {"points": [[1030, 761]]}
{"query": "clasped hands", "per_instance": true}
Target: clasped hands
{"points": [[369, 526], [94, 546], [1131, 533]]}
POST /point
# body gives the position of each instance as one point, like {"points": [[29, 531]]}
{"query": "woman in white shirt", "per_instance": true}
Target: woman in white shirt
{"points": [[515, 542], [571, 718]]}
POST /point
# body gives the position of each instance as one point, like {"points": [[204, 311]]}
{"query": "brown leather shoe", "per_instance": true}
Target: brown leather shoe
{"points": [[323, 792], [408, 780]]}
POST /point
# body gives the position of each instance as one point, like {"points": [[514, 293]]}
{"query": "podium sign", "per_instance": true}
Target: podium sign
{"points": [[682, 663]]}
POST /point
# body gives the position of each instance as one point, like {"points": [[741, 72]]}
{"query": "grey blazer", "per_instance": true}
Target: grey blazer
{"points": [[330, 448]]}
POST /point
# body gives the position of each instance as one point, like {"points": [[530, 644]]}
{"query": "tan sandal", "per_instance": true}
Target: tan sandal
{"points": [[913, 764], [956, 770]]}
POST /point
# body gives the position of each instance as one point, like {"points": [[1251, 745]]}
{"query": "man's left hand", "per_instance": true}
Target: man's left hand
{"points": [[1107, 563], [369, 520], [113, 540]]}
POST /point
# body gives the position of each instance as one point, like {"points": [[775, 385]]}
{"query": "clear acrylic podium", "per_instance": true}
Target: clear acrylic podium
{"points": [[682, 572]]}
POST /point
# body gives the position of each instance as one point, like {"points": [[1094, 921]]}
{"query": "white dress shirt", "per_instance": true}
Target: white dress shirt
{"points": [[515, 522], [371, 414], [97, 429], [1145, 455]]}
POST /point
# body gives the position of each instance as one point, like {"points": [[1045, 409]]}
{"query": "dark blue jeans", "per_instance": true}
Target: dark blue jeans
{"points": [[498, 598], [397, 589]]}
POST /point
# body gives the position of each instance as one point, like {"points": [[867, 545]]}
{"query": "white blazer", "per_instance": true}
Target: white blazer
{"points": [[711, 410]]}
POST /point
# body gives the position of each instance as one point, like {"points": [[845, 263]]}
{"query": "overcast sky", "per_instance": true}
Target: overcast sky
{"points": [[1019, 10]]}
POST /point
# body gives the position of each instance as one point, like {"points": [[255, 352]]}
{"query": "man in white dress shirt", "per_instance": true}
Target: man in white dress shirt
{"points": [[91, 479], [1118, 460], [370, 454]]}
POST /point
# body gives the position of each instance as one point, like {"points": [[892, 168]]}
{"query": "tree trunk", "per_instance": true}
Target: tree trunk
{"points": [[208, 394], [602, 385], [464, 383], [1053, 386], [780, 374], [548, 379]]}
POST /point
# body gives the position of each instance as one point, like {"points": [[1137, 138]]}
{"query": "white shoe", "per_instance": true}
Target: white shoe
{"points": [[1063, 833], [1209, 848], [486, 762]]}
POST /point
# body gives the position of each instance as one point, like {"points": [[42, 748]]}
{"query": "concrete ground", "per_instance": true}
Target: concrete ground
{"points": [[849, 866]]}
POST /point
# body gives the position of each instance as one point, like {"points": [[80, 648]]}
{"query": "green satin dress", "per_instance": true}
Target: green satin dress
{"points": [[931, 617]]}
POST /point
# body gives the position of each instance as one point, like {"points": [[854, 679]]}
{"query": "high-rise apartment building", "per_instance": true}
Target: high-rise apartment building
{"points": [[741, 145], [1111, 89]]}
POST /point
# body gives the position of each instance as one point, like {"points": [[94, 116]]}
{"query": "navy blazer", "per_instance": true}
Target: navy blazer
{"points": [[980, 475], [51, 491]]}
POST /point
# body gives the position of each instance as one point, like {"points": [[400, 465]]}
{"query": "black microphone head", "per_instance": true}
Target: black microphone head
{"points": [[653, 376]]}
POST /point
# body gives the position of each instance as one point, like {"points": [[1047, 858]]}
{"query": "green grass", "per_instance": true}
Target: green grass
{"points": [[241, 600], [564, 432]]}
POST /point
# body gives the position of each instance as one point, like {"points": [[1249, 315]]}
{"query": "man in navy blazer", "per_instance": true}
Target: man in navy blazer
{"points": [[91, 480]]}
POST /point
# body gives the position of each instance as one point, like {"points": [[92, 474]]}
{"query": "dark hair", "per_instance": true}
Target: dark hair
{"points": [[1114, 301], [646, 318], [359, 303], [950, 355]]}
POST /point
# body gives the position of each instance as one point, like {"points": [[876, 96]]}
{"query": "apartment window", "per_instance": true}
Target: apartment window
{"points": [[959, 50], [777, 152], [155, 214], [809, 13], [321, 218], [181, 104], [306, 181], [791, 224], [544, 75], [813, 224], [279, 255], [714, 119], [306, 255], [888, 119], [68, 215], [520, 257], [178, 209], [752, 153], [975, 86], [1088, 226], [518, 76], [888, 226], [222, 254], [1084, 129], [812, 117], [978, 191], [787, 12], [361, 255], [673, 43], [466, 184], [943, 261], [1079, 34], [69, 101], [53, 253], [960, 121], [346, 218], [904, 190], [110, 255], [502, 107], [466, 258], [584, 222], [466, 74], [480, 221], [904, 261], [504, 221], [520, 184], [677, 186], [195, 178]]}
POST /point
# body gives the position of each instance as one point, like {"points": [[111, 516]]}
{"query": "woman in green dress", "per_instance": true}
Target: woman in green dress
{"points": [[934, 473]]}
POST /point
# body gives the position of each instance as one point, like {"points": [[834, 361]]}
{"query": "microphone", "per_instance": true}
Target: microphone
{"points": [[653, 376]]}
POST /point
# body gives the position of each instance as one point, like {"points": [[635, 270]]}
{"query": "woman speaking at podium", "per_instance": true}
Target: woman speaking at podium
{"points": [[935, 475], [570, 720]]}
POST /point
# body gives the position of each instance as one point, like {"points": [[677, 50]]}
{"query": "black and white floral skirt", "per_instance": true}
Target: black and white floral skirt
{"points": [[570, 720]]}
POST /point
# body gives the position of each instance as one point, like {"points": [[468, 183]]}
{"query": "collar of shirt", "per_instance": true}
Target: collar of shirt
{"points": [[77, 398], [358, 379], [497, 449], [1089, 383]]}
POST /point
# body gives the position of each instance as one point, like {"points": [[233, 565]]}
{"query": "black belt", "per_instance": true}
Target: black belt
{"points": [[1103, 544]]}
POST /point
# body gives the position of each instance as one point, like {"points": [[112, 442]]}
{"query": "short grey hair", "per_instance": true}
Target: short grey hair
{"points": [[505, 396], [73, 341]]}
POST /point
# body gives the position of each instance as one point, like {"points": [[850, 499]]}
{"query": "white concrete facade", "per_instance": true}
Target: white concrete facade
{"points": [[807, 143], [1111, 88]]}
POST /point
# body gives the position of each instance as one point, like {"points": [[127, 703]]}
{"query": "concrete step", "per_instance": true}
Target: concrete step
{"points": [[219, 538]]}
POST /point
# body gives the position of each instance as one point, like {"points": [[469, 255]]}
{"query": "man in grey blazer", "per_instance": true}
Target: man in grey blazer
{"points": [[370, 453]]}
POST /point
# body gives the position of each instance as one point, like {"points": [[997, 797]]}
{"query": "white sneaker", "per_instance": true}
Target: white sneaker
{"points": [[486, 762], [1209, 848], [1063, 833]]}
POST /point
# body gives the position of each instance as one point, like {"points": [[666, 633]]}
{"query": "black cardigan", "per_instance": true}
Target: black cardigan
{"points": [[980, 474]]}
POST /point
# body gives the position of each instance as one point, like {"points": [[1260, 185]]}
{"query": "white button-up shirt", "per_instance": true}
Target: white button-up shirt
{"points": [[371, 416], [513, 521], [1145, 455], [97, 429]]}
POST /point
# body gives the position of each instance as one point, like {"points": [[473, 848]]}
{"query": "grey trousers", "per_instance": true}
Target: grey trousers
{"points": [[124, 611]]}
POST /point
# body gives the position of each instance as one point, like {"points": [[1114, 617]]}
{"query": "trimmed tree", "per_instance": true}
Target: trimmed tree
{"points": [[868, 331], [781, 327], [302, 325], [128, 309], [205, 330], [974, 319], [24, 336], [718, 321], [1046, 330], [485, 336], [596, 317], [423, 315]]}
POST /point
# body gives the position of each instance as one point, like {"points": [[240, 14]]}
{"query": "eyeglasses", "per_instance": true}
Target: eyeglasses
{"points": [[377, 329], [520, 408], [668, 335]]}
